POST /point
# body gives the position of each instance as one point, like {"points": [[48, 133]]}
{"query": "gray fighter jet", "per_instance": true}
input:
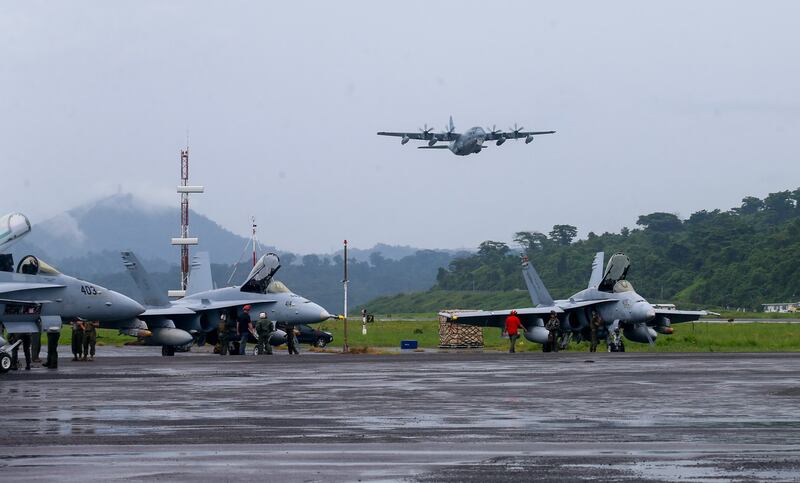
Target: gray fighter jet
{"points": [[469, 142], [176, 323], [34, 293], [609, 294]]}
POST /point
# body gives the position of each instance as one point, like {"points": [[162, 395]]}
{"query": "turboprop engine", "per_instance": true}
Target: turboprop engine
{"points": [[640, 333], [528, 139], [500, 141]]}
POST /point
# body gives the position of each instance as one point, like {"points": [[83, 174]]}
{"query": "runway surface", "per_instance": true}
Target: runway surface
{"points": [[418, 416]]}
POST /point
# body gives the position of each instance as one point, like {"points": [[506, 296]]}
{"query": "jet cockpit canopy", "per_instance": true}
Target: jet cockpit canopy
{"points": [[277, 286], [30, 265], [616, 270], [13, 226], [261, 275]]}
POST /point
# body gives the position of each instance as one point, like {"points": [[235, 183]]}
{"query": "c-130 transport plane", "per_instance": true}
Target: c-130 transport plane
{"points": [[608, 294], [469, 142]]}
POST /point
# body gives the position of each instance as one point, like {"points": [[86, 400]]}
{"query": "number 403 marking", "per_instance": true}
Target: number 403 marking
{"points": [[88, 290]]}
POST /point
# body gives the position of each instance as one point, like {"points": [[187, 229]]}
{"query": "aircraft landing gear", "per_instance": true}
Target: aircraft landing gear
{"points": [[167, 350], [5, 362]]}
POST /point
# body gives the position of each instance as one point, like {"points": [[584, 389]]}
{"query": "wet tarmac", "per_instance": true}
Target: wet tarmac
{"points": [[443, 416]]}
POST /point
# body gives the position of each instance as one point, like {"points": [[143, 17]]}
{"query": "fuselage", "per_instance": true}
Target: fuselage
{"points": [[469, 142], [67, 297]]}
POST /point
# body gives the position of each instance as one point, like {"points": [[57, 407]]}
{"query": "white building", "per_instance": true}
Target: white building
{"points": [[782, 307]]}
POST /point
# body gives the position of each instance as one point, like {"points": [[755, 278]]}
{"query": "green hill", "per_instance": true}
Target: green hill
{"points": [[742, 257]]}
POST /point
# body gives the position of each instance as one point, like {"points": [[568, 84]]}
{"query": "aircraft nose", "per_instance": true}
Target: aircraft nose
{"points": [[645, 312], [313, 310], [123, 307]]}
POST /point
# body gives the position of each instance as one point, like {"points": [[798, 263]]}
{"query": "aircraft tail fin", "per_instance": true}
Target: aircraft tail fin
{"points": [[152, 295], [597, 270], [200, 279], [536, 289]]}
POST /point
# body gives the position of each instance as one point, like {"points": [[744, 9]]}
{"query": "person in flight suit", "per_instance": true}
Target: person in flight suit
{"points": [[594, 325], [264, 329], [89, 340], [77, 338], [552, 325]]}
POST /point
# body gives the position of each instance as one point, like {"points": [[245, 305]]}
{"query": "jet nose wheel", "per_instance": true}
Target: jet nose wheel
{"points": [[5, 362]]}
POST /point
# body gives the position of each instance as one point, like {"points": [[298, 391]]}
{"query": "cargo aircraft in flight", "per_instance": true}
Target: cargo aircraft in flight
{"points": [[469, 142]]}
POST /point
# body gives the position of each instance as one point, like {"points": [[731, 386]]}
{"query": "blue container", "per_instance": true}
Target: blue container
{"points": [[408, 344]]}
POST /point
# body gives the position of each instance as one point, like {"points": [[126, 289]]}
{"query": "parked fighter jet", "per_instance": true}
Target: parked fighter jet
{"points": [[469, 142], [175, 323], [36, 293], [609, 294]]}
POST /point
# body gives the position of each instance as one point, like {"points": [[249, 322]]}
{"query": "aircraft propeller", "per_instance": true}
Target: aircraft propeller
{"points": [[426, 131], [516, 130]]}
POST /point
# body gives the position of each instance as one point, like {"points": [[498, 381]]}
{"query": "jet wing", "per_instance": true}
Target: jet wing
{"points": [[495, 318], [224, 304], [678, 316]]}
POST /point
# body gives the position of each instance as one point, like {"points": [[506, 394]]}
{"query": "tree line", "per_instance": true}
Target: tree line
{"points": [[742, 257]]}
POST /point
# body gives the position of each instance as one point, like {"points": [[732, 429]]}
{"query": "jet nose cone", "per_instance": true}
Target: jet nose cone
{"points": [[123, 307], [324, 315]]}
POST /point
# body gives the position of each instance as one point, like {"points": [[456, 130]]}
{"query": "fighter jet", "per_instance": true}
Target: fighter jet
{"points": [[608, 294], [176, 323], [469, 142], [36, 293]]}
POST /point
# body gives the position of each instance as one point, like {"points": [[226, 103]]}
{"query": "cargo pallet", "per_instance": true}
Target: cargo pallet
{"points": [[459, 336]]}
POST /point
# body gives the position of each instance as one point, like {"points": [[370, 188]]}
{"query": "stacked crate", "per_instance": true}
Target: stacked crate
{"points": [[459, 336]]}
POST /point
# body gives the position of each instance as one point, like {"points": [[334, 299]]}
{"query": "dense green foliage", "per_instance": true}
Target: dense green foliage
{"points": [[740, 258]]}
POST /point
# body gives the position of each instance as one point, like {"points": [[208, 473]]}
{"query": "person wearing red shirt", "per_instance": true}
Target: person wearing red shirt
{"points": [[512, 328]]}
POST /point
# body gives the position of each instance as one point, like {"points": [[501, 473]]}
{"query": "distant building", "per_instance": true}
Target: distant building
{"points": [[782, 307]]}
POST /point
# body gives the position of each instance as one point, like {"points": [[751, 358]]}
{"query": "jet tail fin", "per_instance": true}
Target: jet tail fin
{"points": [[536, 289], [200, 279], [152, 295], [597, 270]]}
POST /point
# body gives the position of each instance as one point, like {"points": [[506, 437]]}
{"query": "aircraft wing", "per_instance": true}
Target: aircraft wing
{"points": [[225, 304], [439, 136], [494, 136], [497, 318], [678, 316], [167, 311]]}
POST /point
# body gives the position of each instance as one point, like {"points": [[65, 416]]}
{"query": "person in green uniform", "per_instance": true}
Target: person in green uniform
{"points": [[89, 340], [77, 339], [264, 330], [52, 348]]}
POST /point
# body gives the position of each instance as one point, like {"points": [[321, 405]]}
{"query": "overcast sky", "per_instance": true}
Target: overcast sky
{"points": [[659, 106]]}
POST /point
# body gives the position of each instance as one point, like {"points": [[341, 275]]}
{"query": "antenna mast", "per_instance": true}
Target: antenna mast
{"points": [[184, 240], [255, 242]]}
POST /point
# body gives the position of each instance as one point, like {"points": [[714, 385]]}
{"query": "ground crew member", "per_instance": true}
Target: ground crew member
{"points": [[291, 340], [264, 330], [89, 340], [231, 334], [36, 343], [222, 334], [52, 348], [594, 326], [26, 348], [552, 326], [244, 327], [512, 326], [77, 339]]}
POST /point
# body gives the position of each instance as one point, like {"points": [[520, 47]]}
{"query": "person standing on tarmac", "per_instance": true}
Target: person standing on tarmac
{"points": [[231, 334], [77, 338], [52, 348], [36, 343], [264, 330], [512, 327], [222, 336], [594, 326], [552, 325], [26, 348], [244, 327], [291, 340], [89, 340]]}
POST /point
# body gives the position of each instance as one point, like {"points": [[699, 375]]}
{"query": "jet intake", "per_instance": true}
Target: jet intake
{"points": [[639, 333], [536, 334]]}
